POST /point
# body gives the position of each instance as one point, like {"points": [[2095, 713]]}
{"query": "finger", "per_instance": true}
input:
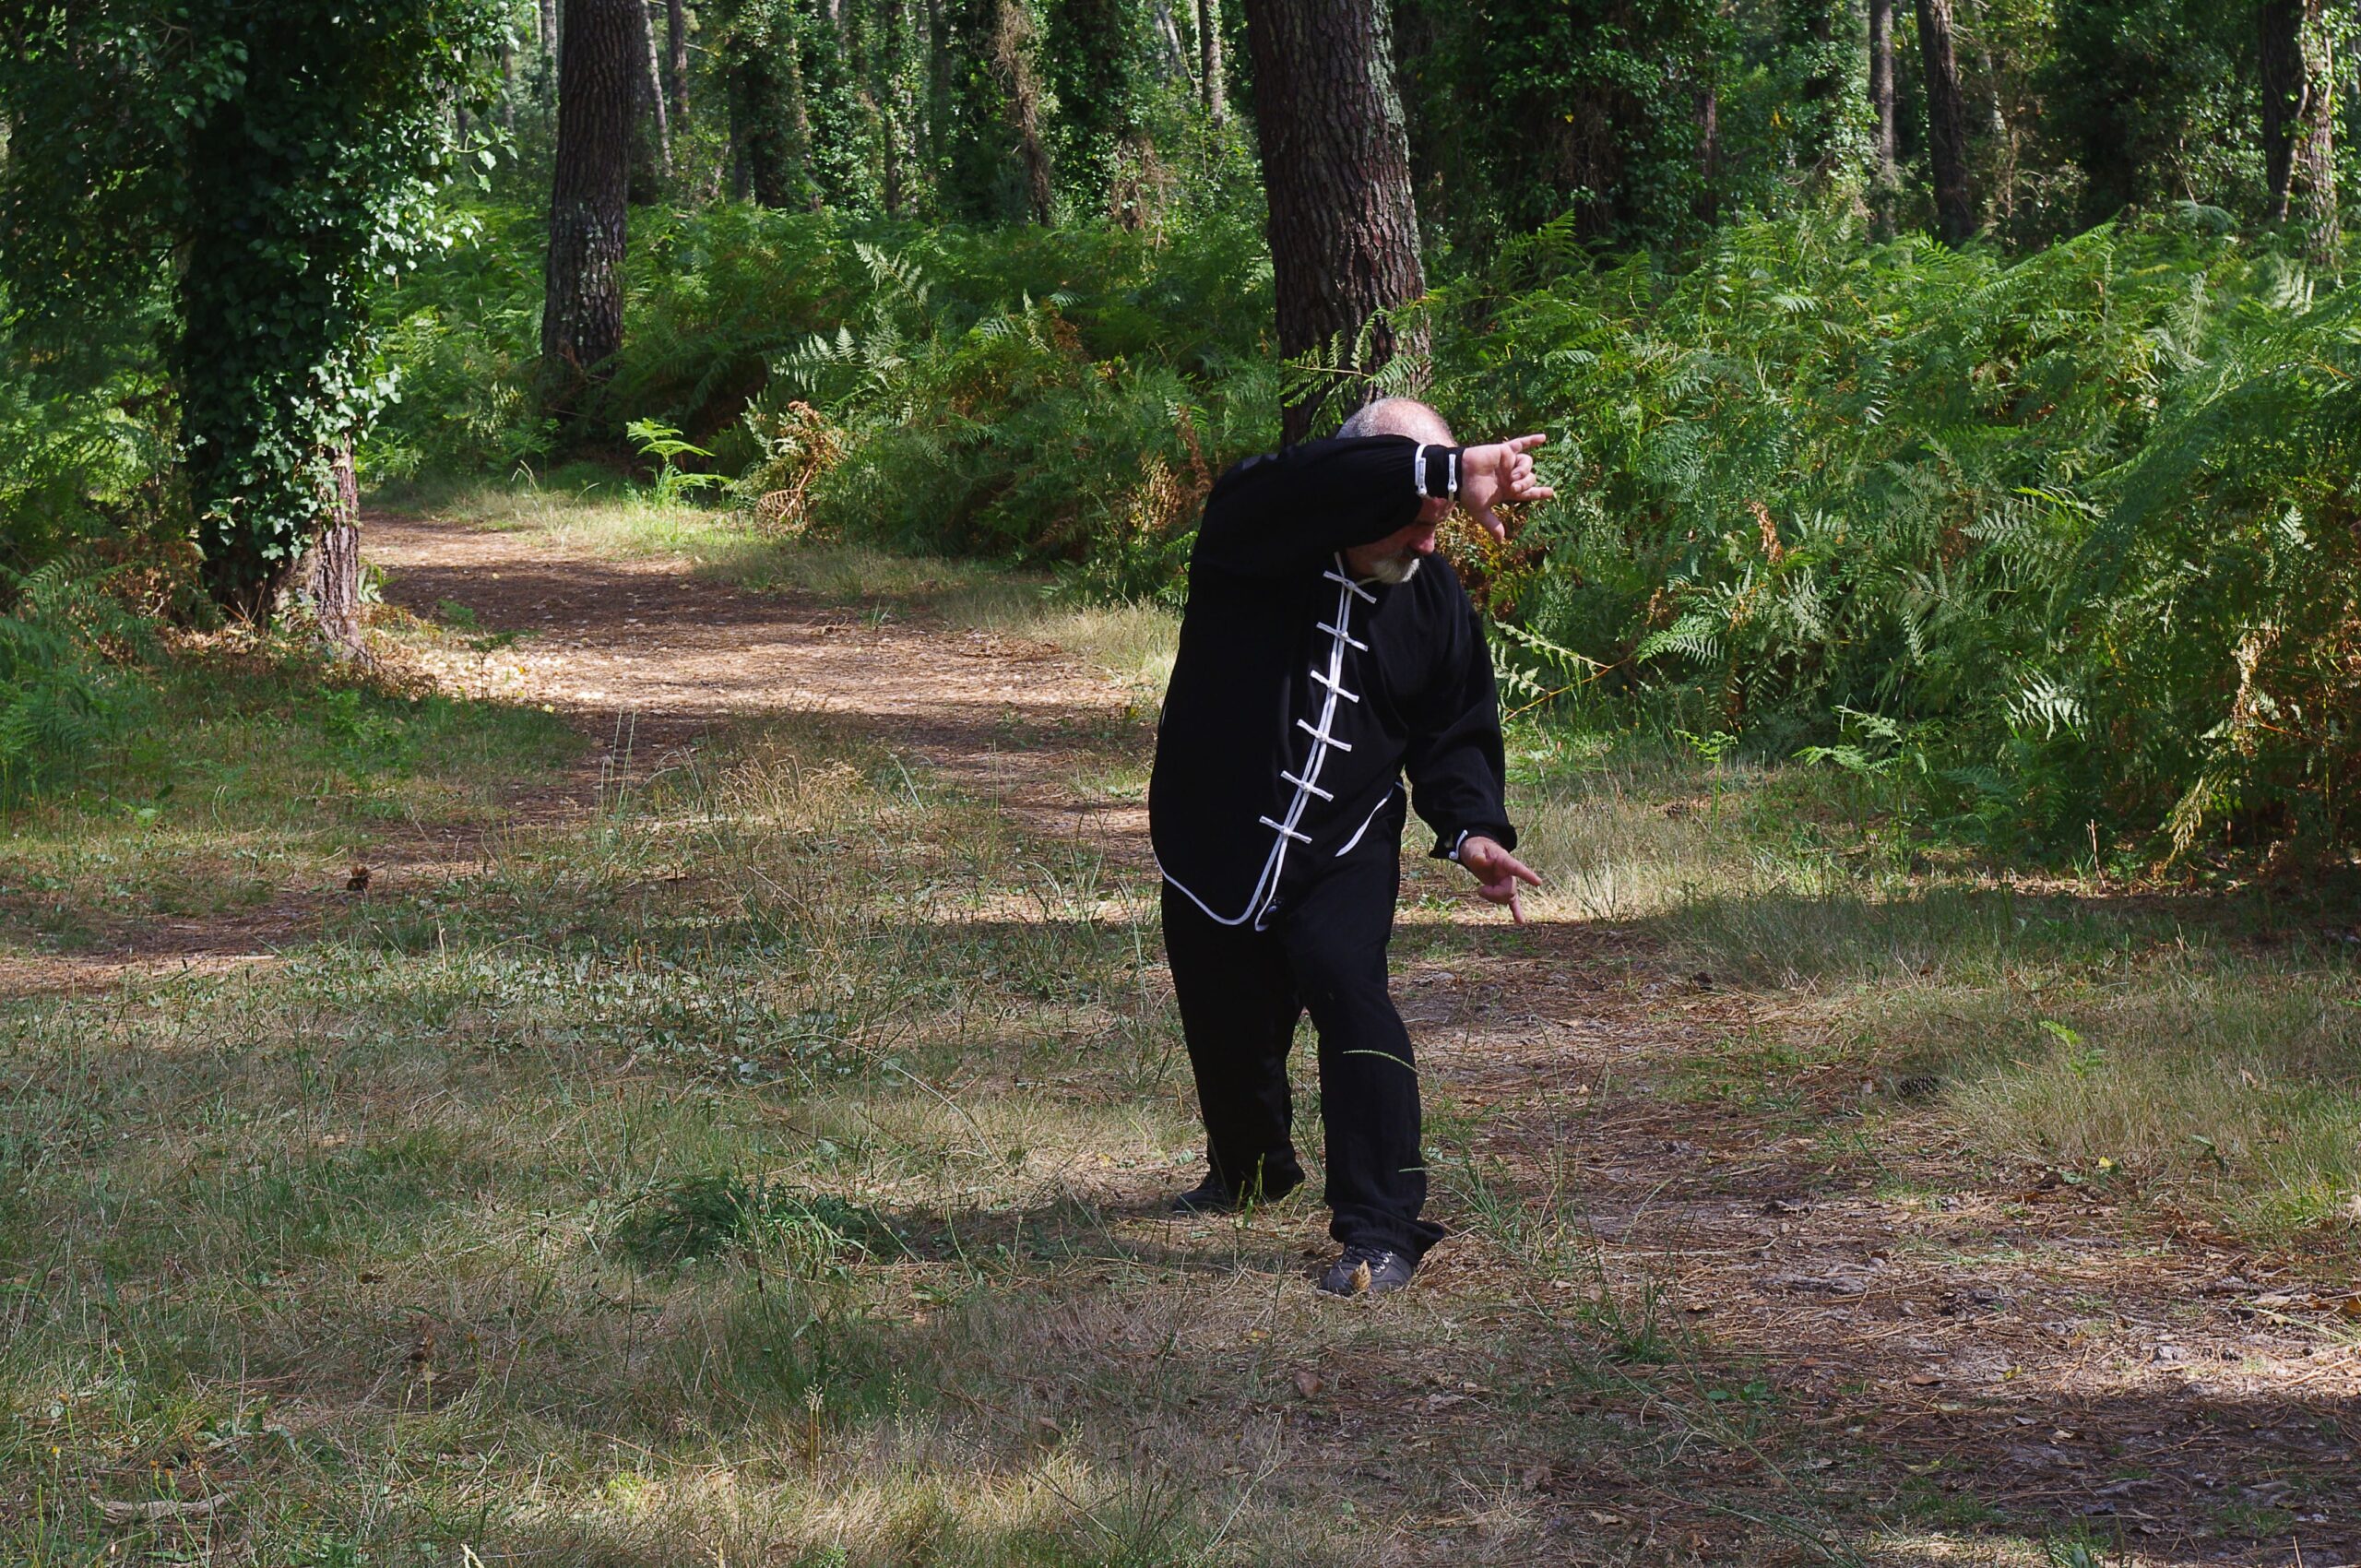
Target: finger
{"points": [[1487, 520], [1524, 443], [1517, 909], [1519, 871]]}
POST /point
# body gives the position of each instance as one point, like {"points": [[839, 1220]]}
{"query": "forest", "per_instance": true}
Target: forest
{"points": [[587, 586]]}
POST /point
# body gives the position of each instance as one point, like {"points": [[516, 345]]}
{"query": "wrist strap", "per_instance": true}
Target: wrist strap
{"points": [[1438, 470]]}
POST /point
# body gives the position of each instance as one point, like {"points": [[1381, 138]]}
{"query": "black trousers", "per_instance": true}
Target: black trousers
{"points": [[1241, 992]]}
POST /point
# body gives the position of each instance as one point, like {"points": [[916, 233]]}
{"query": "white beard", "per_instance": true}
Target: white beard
{"points": [[1394, 570]]}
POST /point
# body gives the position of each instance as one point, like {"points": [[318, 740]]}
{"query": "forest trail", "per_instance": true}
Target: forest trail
{"points": [[649, 659], [1774, 1276], [1997, 1342]]}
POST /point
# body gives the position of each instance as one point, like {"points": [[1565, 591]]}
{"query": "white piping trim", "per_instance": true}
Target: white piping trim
{"points": [[1382, 801], [1266, 886]]}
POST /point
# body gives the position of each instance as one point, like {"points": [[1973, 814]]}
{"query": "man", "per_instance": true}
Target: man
{"points": [[1327, 653]]}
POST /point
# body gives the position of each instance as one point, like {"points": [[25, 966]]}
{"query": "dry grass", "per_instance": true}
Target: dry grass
{"points": [[767, 1167]]}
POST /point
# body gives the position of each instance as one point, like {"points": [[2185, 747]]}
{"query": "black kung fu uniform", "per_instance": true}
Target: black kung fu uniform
{"points": [[1299, 701]]}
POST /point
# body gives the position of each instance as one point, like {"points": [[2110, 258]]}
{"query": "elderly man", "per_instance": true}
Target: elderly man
{"points": [[1326, 654]]}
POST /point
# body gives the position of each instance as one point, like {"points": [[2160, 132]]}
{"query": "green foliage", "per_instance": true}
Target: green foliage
{"points": [[67, 682], [1063, 394], [704, 1216], [283, 154], [2070, 539], [662, 441]]}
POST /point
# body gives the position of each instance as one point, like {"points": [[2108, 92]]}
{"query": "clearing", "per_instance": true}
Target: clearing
{"points": [[741, 1134]]}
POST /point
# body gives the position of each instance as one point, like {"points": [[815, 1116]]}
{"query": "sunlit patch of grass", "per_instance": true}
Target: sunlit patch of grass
{"points": [[260, 767], [2236, 1092]]}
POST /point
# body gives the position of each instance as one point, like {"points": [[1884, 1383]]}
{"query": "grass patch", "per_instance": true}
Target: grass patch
{"points": [[258, 769]]}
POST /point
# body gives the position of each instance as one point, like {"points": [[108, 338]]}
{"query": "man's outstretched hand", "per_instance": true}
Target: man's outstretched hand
{"points": [[1496, 870], [1489, 476]]}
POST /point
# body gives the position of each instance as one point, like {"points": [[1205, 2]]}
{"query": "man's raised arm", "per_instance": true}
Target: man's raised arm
{"points": [[1291, 509]]}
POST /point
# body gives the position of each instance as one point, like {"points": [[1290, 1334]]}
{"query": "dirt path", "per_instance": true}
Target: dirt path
{"points": [[649, 659], [2027, 1354], [1982, 1349]]}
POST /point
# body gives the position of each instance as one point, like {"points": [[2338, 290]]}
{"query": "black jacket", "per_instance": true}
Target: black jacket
{"points": [[1300, 698]]}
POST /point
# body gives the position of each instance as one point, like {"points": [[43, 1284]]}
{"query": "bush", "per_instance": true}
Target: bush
{"points": [[2054, 547], [66, 686]]}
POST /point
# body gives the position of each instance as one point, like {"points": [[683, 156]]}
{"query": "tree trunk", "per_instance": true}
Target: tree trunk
{"points": [[1946, 124], [2299, 121], [1706, 104], [1343, 229], [582, 309], [1176, 53], [651, 92], [938, 89], [1882, 177], [1209, 61], [550, 37], [1012, 58], [676, 39], [1810, 40], [887, 76], [770, 132], [329, 578]]}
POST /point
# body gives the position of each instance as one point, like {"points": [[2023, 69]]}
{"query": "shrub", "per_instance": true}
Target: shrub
{"points": [[66, 683]]}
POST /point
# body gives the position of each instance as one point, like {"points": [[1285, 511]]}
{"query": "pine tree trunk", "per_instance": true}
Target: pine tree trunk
{"points": [[329, 576], [1209, 61], [1012, 58], [2299, 121], [1882, 150], [582, 310], [1946, 124], [676, 40], [1343, 229]]}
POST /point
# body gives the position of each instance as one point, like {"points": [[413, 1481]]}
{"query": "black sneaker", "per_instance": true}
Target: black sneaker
{"points": [[1367, 1271], [1211, 1196]]}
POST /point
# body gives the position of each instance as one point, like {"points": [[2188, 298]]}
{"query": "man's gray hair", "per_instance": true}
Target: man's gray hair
{"points": [[1399, 416]]}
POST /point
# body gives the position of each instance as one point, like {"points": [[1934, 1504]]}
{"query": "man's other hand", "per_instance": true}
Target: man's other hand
{"points": [[1489, 476], [1496, 870]]}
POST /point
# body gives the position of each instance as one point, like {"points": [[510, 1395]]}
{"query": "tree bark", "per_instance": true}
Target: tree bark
{"points": [[1210, 84], [329, 578], [582, 309], [2299, 121], [676, 39], [652, 91], [1946, 124], [1344, 228], [550, 37], [1883, 149], [887, 76], [1012, 58]]}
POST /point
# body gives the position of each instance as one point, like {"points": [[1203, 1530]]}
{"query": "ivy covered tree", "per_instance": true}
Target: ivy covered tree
{"points": [[268, 163]]}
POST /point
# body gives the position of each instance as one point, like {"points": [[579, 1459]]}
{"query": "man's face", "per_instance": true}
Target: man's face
{"points": [[1402, 547]]}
